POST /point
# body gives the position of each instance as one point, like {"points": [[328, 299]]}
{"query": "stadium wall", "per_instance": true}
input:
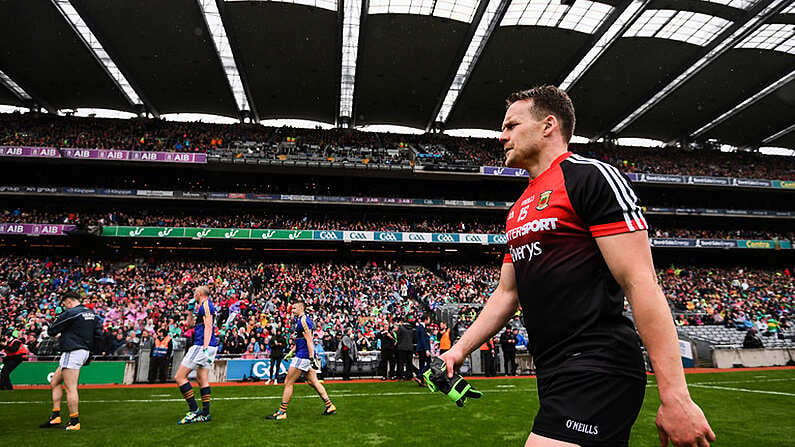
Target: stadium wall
{"points": [[749, 358]]}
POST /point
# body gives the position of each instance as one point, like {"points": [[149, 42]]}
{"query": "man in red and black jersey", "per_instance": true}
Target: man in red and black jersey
{"points": [[577, 245]]}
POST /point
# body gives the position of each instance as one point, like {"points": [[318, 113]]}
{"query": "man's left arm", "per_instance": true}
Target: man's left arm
{"points": [[208, 326], [679, 419], [310, 344]]}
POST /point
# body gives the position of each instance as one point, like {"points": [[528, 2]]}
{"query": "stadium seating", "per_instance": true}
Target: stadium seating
{"points": [[730, 336], [255, 142]]}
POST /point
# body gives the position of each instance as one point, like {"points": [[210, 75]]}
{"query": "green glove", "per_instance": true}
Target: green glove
{"points": [[457, 389], [289, 355], [207, 354]]}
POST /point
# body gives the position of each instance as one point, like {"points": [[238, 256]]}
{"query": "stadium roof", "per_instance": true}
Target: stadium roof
{"points": [[660, 69]]}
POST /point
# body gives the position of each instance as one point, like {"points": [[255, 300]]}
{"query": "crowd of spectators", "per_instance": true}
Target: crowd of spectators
{"points": [[252, 140], [738, 297], [714, 163], [137, 298], [139, 134]]}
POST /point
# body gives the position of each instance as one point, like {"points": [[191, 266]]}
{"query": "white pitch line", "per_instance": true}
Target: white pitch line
{"points": [[503, 389], [410, 393], [722, 382], [745, 390]]}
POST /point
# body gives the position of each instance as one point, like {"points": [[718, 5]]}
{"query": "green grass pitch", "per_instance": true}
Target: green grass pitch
{"points": [[748, 408]]}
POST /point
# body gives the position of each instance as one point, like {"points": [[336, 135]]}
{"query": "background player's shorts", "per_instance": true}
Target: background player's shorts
{"points": [[302, 364], [195, 357], [74, 359], [589, 408]]}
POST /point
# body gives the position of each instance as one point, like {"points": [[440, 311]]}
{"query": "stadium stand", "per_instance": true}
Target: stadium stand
{"points": [[255, 142], [139, 286]]}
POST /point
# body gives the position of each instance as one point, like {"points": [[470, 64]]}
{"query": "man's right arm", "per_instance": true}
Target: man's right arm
{"points": [[500, 307]]}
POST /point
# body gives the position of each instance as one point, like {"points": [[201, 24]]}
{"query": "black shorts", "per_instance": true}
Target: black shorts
{"points": [[589, 408]]}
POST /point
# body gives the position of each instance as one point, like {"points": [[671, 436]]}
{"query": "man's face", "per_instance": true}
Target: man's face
{"points": [[70, 303], [297, 309], [521, 135]]}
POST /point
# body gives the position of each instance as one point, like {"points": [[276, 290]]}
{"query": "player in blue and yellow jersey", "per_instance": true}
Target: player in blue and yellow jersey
{"points": [[303, 362], [200, 357]]}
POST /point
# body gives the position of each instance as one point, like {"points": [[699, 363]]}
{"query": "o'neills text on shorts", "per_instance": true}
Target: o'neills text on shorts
{"points": [[582, 428]]}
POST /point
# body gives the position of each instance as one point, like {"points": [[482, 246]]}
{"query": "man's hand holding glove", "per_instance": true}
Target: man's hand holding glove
{"points": [[456, 388], [207, 355]]}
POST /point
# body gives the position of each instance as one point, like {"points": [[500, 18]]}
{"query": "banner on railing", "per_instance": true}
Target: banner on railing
{"points": [[716, 243], [719, 243], [353, 236], [503, 172], [673, 179], [776, 245], [672, 242], [102, 154], [35, 229], [310, 235], [239, 369], [686, 352], [389, 236], [717, 212]]}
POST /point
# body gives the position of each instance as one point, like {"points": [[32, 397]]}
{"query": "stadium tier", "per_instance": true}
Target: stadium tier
{"points": [[74, 137], [342, 220]]}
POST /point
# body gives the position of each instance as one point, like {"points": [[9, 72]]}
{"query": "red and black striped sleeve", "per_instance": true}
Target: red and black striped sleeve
{"points": [[602, 197]]}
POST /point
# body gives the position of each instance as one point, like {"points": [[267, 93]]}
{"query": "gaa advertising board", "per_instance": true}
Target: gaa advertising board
{"points": [[239, 369], [387, 236], [309, 235]]}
